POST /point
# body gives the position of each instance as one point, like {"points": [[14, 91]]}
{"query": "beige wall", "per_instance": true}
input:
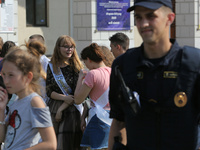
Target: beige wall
{"points": [[85, 31], [81, 25], [77, 18], [58, 23]]}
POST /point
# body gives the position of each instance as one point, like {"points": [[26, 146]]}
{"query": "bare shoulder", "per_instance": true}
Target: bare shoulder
{"points": [[37, 102]]}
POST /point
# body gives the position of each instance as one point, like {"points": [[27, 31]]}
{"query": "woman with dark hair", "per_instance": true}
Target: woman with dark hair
{"points": [[34, 39], [109, 57], [62, 76], [5, 48], [1, 44], [8, 45], [38, 49], [95, 83]]}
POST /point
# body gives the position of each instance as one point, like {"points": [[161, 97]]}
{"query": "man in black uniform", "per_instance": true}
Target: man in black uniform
{"points": [[166, 79]]}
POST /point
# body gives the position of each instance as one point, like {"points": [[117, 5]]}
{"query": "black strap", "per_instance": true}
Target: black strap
{"points": [[127, 93]]}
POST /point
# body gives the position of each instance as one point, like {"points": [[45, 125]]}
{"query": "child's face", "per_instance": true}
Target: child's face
{"points": [[13, 78], [67, 51]]}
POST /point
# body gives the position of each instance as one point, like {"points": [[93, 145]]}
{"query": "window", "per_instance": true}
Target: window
{"points": [[36, 12]]}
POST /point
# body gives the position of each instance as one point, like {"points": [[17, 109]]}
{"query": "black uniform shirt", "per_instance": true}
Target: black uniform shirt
{"points": [[162, 123]]}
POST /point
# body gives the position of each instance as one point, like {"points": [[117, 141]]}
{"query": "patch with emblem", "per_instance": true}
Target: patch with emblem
{"points": [[180, 99], [140, 75], [170, 74]]}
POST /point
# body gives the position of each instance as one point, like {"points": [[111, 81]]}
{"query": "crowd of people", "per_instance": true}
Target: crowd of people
{"points": [[144, 98], [59, 96]]}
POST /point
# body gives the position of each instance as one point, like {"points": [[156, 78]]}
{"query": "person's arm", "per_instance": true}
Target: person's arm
{"points": [[82, 90], [58, 116], [51, 89], [84, 115], [48, 140], [2, 126], [117, 113], [48, 136], [117, 129], [66, 98], [3, 103]]}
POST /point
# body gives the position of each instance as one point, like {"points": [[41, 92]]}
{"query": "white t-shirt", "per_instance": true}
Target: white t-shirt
{"points": [[44, 62]]}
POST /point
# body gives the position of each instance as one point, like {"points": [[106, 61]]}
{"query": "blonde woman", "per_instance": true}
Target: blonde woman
{"points": [[62, 76]]}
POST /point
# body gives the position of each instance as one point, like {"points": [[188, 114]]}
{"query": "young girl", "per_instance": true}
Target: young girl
{"points": [[38, 49], [28, 119], [96, 85], [41, 49], [62, 76], [7, 46]]}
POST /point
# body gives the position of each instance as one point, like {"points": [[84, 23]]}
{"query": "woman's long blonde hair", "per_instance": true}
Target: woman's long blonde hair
{"points": [[57, 57]]}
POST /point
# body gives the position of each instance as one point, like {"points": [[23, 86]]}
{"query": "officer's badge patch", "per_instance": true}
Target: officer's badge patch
{"points": [[170, 74], [180, 99], [140, 75]]}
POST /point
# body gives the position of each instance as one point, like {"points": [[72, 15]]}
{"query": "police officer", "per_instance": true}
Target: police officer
{"points": [[166, 79]]}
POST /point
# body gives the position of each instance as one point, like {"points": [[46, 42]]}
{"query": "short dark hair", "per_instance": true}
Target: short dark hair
{"points": [[1, 42], [121, 39], [37, 37], [5, 48]]}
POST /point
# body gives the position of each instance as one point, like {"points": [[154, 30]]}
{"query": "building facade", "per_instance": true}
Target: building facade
{"points": [[77, 18]]}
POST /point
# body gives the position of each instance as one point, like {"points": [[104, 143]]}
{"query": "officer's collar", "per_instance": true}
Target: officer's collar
{"points": [[145, 62]]}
